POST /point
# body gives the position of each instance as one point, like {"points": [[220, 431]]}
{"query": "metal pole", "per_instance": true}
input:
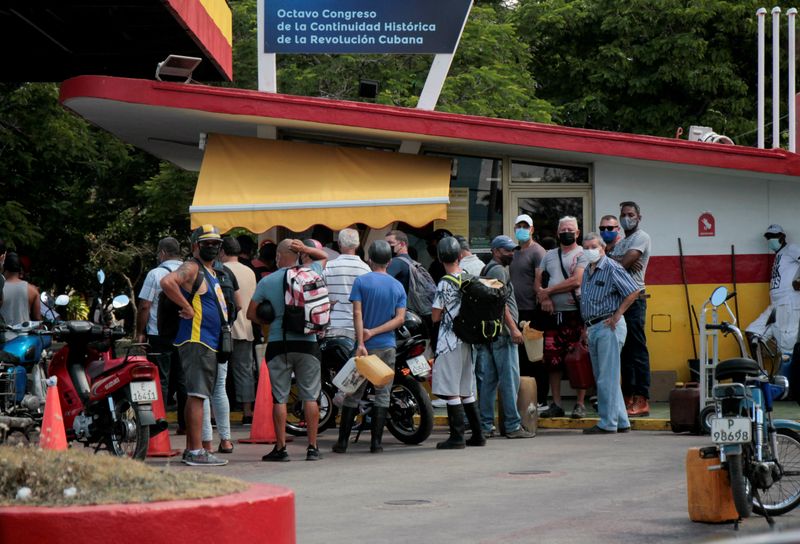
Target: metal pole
{"points": [[776, 77], [760, 14], [267, 72], [791, 14]]}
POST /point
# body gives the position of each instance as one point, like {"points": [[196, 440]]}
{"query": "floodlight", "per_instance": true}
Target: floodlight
{"points": [[177, 66]]}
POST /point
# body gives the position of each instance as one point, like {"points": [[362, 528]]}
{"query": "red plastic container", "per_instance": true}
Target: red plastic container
{"points": [[579, 367], [684, 408]]}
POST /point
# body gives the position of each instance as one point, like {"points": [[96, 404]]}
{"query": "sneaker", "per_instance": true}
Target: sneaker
{"points": [[184, 455], [203, 459], [579, 411], [277, 455], [554, 410], [521, 432], [541, 407], [312, 454], [247, 420]]}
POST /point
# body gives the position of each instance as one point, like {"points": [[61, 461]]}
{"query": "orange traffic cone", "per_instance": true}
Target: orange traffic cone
{"points": [[263, 429], [159, 445], [53, 436]]}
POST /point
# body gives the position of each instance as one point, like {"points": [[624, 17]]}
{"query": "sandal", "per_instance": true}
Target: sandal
{"points": [[222, 449]]}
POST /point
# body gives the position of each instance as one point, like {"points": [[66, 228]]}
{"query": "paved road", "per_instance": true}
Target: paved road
{"points": [[620, 488]]}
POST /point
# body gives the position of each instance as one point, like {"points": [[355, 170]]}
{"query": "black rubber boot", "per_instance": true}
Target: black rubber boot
{"points": [[477, 438], [378, 421], [345, 426], [455, 418]]}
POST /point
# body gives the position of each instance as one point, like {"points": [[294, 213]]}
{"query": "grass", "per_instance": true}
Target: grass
{"points": [[98, 479]]}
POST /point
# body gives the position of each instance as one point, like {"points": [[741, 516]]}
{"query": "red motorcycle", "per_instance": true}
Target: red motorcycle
{"points": [[106, 400]]}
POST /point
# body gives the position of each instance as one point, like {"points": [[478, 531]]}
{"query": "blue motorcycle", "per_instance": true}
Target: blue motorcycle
{"points": [[761, 454]]}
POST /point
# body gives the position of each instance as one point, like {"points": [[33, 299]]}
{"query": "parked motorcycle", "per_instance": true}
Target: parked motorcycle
{"points": [[410, 415], [761, 455], [106, 400], [23, 369]]}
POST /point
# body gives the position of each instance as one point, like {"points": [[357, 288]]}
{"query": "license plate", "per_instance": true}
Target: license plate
{"points": [[419, 366], [144, 391], [731, 430]]}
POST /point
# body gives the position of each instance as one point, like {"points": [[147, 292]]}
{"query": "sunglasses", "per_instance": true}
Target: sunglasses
{"points": [[608, 227]]}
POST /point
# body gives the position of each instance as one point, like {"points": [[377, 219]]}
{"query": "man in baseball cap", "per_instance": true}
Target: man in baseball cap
{"points": [[780, 319]]}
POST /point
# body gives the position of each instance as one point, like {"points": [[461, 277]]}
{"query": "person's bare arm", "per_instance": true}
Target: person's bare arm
{"points": [[318, 255], [394, 323], [516, 334], [183, 277], [142, 316], [358, 324], [570, 284], [252, 311], [36, 309], [436, 314], [630, 259], [616, 316]]}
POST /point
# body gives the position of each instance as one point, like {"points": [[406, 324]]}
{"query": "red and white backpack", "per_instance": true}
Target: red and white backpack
{"points": [[308, 308]]}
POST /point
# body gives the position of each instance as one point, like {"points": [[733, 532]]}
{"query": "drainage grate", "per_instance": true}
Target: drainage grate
{"points": [[408, 502], [529, 472]]}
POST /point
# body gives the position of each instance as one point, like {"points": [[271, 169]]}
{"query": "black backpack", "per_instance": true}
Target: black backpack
{"points": [[483, 305], [229, 285], [168, 318], [421, 287]]}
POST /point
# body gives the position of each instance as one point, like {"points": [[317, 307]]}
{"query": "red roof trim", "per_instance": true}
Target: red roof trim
{"points": [[205, 32], [430, 123]]}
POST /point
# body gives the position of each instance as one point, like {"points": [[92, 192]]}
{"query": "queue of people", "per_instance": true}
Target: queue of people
{"points": [[368, 302]]}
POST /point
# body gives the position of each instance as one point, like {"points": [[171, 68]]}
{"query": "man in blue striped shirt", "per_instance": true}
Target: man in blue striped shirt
{"points": [[606, 292]]}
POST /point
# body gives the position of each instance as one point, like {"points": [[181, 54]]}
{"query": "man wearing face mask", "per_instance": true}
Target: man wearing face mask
{"points": [[784, 307], [610, 232], [497, 364], [606, 292], [522, 270], [564, 266], [633, 253], [202, 317]]}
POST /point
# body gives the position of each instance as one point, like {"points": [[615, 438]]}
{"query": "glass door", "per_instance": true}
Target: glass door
{"points": [[547, 207]]}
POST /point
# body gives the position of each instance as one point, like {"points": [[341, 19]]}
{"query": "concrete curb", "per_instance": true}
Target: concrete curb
{"points": [[262, 513], [639, 424]]}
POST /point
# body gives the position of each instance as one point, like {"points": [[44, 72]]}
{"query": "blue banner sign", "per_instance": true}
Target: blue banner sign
{"points": [[363, 26]]}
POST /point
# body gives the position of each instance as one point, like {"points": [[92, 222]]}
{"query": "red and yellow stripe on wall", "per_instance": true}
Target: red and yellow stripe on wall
{"points": [[210, 23], [668, 332]]}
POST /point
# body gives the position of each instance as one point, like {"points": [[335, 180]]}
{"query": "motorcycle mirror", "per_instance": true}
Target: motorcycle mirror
{"points": [[45, 298], [120, 301], [62, 300], [719, 296], [101, 276]]}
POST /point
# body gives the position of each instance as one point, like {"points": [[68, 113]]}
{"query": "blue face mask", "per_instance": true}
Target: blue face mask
{"points": [[523, 235], [608, 236], [774, 244]]}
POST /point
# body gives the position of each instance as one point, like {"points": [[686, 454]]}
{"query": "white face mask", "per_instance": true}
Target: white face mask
{"points": [[592, 254]]}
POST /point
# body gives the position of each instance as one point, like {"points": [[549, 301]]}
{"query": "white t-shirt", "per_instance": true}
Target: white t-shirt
{"points": [[784, 270], [339, 275], [151, 289], [243, 328], [472, 264], [447, 299]]}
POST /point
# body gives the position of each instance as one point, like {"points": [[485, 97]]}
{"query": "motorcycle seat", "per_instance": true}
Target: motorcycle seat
{"points": [[736, 368], [96, 368]]}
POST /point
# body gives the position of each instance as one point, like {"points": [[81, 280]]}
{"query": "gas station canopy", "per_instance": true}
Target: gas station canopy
{"points": [[56, 40]]}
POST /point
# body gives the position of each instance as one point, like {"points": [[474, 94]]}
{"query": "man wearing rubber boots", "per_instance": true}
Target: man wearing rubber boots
{"points": [[606, 292], [379, 307], [453, 373]]}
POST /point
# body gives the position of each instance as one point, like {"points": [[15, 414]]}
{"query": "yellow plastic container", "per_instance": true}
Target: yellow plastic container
{"points": [[709, 491], [376, 371]]}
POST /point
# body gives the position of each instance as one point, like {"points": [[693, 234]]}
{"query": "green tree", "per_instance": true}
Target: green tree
{"points": [[644, 66]]}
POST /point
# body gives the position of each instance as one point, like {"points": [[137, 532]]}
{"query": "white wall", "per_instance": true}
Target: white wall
{"points": [[673, 199]]}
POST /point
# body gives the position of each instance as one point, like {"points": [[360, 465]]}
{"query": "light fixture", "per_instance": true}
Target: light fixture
{"points": [[177, 66]]}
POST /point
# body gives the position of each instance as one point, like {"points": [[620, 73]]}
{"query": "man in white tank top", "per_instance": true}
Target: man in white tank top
{"points": [[20, 298]]}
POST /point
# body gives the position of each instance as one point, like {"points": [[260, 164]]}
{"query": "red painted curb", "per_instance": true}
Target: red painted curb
{"points": [[262, 513]]}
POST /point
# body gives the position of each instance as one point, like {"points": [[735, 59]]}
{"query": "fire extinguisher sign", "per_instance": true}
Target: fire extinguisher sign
{"points": [[706, 225]]}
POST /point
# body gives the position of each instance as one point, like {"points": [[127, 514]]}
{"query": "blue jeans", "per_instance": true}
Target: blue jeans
{"points": [[222, 409], [604, 349], [635, 357], [497, 367]]}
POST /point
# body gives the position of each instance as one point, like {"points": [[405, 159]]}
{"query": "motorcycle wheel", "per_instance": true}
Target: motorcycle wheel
{"points": [[740, 486], [296, 418], [128, 437], [406, 401], [784, 495], [706, 414]]}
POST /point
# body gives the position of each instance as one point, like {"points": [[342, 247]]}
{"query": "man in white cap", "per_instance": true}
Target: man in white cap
{"points": [[780, 319]]}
